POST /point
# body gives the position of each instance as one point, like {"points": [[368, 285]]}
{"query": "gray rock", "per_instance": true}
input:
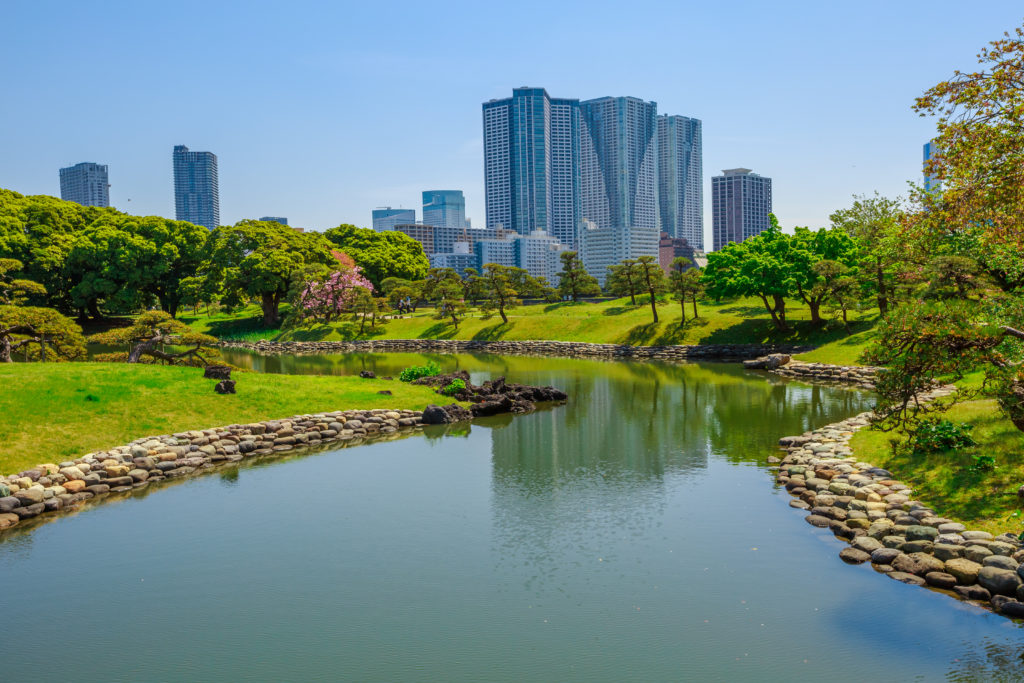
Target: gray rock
{"points": [[977, 593], [905, 577], [885, 555], [940, 580], [977, 535], [1001, 561], [999, 581], [918, 563], [945, 551], [853, 556], [951, 528], [965, 571], [867, 544], [977, 553], [8, 503], [817, 520], [921, 533]]}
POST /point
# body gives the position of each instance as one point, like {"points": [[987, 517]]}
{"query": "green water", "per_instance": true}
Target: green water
{"points": [[633, 534]]}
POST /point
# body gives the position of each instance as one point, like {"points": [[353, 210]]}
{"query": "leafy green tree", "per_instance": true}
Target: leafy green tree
{"points": [[436, 277], [497, 286], [257, 259], [450, 302], [875, 223], [812, 246], [472, 290], [624, 279], [652, 279], [109, 265], [39, 333], [16, 291], [158, 337], [684, 281], [179, 253], [363, 306], [381, 254], [836, 279], [760, 266], [573, 280]]}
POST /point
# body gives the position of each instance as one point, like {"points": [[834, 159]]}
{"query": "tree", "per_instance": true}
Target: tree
{"points": [[381, 254], [498, 291], [363, 305], [159, 337], [450, 303], [16, 291], [258, 259], [759, 266], [652, 278], [624, 279], [41, 333], [574, 281], [980, 164], [327, 298], [810, 247], [178, 255], [110, 265], [471, 287], [684, 281], [875, 223], [834, 277]]}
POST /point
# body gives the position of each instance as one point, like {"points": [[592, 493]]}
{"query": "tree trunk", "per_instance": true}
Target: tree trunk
{"points": [[501, 312], [5, 349], [138, 349], [654, 309], [682, 306], [780, 309], [815, 305], [94, 310], [695, 308], [269, 304], [771, 311]]}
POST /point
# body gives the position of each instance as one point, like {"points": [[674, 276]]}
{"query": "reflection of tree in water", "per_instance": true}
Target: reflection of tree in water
{"points": [[568, 484], [989, 661]]}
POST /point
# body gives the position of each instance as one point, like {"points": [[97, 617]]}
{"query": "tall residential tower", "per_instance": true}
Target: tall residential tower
{"points": [[740, 204], [680, 179], [531, 163], [86, 184], [196, 194]]}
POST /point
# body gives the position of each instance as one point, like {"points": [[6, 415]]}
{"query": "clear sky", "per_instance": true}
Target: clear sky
{"points": [[321, 111]]}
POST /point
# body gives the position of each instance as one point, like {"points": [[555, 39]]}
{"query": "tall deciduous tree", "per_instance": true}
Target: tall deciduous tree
{"points": [[258, 259], [652, 279], [811, 247], [573, 280], [875, 223], [624, 279], [760, 266]]}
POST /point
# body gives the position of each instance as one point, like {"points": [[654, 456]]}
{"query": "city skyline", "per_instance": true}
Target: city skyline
{"points": [[832, 115]]}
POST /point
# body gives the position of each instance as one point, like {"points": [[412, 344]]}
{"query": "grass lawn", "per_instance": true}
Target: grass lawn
{"points": [[56, 411], [985, 500], [619, 322]]}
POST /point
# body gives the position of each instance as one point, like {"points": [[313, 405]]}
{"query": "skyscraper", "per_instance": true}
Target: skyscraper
{"points": [[444, 208], [930, 150], [680, 179], [740, 204], [275, 219], [531, 163], [86, 184], [387, 218], [619, 160], [196, 194]]}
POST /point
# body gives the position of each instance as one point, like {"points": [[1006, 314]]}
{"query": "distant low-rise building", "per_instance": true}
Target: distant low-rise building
{"points": [[610, 246], [670, 248], [386, 218]]}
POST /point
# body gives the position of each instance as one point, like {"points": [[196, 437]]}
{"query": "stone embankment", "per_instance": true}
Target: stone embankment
{"points": [[52, 488], [884, 525], [527, 348], [783, 364]]}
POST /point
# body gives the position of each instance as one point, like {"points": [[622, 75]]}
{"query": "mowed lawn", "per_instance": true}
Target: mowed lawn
{"points": [[56, 411], [743, 321]]}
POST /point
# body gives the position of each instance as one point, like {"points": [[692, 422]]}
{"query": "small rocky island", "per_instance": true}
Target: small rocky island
{"points": [[490, 398]]}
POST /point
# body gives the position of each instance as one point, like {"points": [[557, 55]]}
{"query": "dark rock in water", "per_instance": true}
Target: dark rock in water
{"points": [[972, 593], [435, 415], [368, 374], [853, 556], [904, 577], [457, 413], [385, 392], [217, 372], [940, 580], [225, 386], [493, 397]]}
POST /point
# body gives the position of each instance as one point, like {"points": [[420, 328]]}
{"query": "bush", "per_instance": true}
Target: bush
{"points": [[416, 371], [455, 387], [936, 435]]}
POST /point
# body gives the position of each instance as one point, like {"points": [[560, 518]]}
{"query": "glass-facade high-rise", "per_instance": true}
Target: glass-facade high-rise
{"points": [[930, 150], [531, 163], [680, 179], [740, 204], [86, 184], [619, 161], [387, 218], [196, 191], [444, 208]]}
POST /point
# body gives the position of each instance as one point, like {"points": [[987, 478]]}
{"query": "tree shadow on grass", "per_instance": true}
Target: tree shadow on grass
{"points": [[439, 330], [674, 333], [640, 335], [619, 310], [745, 310], [493, 332], [560, 304]]}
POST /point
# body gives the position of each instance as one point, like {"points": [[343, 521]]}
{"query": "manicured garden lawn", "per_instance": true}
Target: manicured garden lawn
{"points": [[56, 411], [735, 322], [981, 499]]}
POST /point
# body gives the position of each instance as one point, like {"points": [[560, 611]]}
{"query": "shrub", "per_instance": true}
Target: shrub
{"points": [[936, 435], [455, 387], [416, 371], [983, 463]]}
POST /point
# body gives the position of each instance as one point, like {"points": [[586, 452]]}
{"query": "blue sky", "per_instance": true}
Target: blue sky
{"points": [[322, 111]]}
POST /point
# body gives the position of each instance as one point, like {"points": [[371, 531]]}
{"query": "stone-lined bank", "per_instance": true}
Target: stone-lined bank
{"points": [[53, 488], [528, 348], [783, 364], [884, 525]]}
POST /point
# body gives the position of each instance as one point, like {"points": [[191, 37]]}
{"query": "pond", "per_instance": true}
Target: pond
{"points": [[633, 534]]}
